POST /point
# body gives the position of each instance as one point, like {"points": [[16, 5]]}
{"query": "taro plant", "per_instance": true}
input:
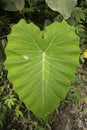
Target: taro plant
{"points": [[42, 64], [12, 5], [65, 7]]}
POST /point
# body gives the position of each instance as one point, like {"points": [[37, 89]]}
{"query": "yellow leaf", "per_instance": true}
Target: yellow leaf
{"points": [[85, 54]]}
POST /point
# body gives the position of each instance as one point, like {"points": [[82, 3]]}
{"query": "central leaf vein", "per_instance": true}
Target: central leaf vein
{"points": [[43, 75]]}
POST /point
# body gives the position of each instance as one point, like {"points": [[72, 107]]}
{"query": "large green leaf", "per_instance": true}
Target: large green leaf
{"points": [[65, 7], [41, 68], [12, 5]]}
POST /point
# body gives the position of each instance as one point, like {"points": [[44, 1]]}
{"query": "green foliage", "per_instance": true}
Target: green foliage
{"points": [[76, 19], [80, 30], [74, 96], [18, 111], [2, 56], [37, 127], [9, 100], [65, 7], [78, 14], [1, 125], [2, 115], [12, 5], [42, 66]]}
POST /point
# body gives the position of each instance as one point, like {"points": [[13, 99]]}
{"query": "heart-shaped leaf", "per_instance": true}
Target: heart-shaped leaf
{"points": [[65, 7], [41, 68]]}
